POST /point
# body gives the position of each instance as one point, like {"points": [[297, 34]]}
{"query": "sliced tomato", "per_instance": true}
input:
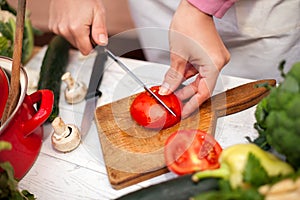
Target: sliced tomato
{"points": [[147, 112], [188, 151]]}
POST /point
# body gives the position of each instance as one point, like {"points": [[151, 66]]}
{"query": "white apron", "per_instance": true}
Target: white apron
{"points": [[258, 33]]}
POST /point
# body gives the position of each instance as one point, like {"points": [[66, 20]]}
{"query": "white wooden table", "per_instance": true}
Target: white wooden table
{"points": [[81, 174]]}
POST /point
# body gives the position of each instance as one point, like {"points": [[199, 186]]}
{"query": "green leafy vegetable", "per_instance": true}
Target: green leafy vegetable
{"points": [[256, 170], [7, 37], [254, 173], [278, 117], [226, 192], [7, 33], [244, 164], [8, 185]]}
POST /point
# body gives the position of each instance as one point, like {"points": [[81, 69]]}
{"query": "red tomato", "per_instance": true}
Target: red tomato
{"points": [[147, 112], [188, 151]]}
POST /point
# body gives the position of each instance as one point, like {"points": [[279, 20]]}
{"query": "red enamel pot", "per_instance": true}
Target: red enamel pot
{"points": [[3, 90], [23, 129]]}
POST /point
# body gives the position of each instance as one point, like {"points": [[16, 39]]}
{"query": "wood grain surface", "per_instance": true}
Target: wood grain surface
{"points": [[14, 91], [133, 153]]}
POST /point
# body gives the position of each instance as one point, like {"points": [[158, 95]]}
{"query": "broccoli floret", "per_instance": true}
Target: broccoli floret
{"points": [[278, 118]]}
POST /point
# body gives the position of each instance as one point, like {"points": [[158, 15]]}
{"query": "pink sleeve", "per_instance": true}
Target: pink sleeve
{"points": [[216, 8]]}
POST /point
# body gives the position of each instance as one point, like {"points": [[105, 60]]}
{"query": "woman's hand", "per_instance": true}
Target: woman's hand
{"points": [[79, 22], [195, 49]]}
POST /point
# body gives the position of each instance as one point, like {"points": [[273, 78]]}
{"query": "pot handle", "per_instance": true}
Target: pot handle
{"points": [[46, 99]]}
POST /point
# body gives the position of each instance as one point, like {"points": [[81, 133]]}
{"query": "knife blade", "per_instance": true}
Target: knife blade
{"points": [[93, 93], [132, 75]]}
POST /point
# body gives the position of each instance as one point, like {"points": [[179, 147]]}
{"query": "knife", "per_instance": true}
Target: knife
{"points": [[93, 93], [132, 75]]}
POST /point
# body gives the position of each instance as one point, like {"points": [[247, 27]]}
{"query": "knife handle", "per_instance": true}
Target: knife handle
{"points": [[97, 73]]}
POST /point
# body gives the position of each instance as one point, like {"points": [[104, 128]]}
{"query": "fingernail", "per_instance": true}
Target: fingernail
{"points": [[103, 39], [164, 88]]}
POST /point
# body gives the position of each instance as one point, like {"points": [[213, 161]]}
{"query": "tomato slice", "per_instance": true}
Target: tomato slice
{"points": [[188, 151], [147, 112]]}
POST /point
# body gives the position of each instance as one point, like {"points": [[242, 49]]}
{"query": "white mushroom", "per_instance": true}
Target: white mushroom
{"points": [[65, 137], [75, 91]]}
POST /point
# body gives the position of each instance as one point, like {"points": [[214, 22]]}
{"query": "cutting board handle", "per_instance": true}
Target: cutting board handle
{"points": [[240, 98]]}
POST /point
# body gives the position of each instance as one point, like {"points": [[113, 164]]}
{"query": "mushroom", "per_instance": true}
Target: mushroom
{"points": [[66, 137], [75, 91]]}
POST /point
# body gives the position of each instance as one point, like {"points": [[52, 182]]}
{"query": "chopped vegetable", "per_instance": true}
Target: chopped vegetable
{"points": [[244, 164], [148, 112], [278, 117], [189, 151]]}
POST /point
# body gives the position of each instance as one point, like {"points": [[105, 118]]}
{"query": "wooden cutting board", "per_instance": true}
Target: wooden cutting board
{"points": [[133, 154]]}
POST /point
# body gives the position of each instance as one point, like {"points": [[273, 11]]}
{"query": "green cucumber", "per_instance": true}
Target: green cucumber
{"points": [[54, 65], [178, 188]]}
